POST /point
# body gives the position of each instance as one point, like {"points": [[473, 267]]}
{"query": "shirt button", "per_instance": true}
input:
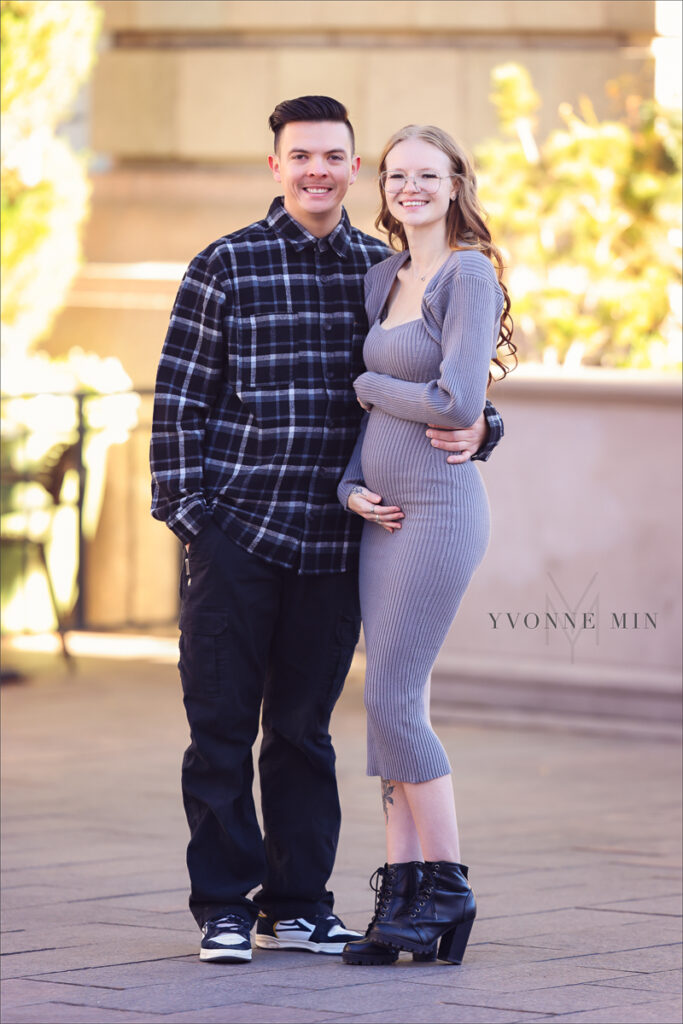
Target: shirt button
{"points": [[330, 373], [327, 327]]}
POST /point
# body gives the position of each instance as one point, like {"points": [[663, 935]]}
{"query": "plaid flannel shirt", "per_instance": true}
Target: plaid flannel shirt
{"points": [[255, 417]]}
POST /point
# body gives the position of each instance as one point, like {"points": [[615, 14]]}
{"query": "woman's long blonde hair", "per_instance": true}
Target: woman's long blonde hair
{"points": [[465, 225]]}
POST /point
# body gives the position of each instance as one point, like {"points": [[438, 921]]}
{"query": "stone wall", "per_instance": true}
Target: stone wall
{"points": [[196, 81], [585, 493]]}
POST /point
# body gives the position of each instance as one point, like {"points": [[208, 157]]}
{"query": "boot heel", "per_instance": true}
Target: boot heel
{"points": [[453, 943]]}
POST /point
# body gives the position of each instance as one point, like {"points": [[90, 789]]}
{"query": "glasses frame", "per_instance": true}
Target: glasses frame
{"points": [[411, 177]]}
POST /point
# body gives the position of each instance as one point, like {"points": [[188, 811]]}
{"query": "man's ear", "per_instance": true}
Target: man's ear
{"points": [[355, 167], [274, 164]]}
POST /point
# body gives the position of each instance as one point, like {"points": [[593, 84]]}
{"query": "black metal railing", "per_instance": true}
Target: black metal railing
{"points": [[18, 468]]}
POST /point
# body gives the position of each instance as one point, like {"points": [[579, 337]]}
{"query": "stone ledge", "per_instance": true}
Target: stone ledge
{"points": [[535, 381], [486, 16], [649, 697], [551, 673]]}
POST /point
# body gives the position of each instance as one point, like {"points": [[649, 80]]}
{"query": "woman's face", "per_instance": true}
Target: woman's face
{"points": [[425, 168]]}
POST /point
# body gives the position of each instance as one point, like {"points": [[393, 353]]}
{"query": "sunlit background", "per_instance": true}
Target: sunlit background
{"points": [[134, 133]]}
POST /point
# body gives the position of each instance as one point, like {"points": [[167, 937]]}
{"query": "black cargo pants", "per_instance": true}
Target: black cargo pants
{"points": [[260, 640]]}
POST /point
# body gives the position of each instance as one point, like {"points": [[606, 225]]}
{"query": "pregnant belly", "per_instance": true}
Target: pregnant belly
{"points": [[400, 464]]}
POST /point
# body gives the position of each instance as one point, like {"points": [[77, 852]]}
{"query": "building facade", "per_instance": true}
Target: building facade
{"points": [[177, 123]]}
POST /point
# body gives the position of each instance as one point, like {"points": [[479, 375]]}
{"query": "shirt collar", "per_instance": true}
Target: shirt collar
{"points": [[284, 225]]}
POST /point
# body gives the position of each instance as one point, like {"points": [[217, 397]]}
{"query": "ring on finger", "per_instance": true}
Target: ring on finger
{"points": [[376, 517]]}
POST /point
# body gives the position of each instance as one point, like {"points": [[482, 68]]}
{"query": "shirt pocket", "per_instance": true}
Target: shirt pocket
{"points": [[270, 353]]}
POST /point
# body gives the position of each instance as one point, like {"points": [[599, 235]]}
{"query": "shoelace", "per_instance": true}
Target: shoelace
{"points": [[229, 923], [383, 890], [424, 889]]}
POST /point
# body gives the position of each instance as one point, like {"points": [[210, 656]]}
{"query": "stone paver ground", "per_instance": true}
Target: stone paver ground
{"points": [[573, 843]]}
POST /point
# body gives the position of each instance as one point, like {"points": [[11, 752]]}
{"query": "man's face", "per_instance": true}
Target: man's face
{"points": [[315, 166]]}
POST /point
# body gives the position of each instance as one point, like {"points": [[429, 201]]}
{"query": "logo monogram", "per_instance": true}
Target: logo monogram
{"points": [[574, 623]]}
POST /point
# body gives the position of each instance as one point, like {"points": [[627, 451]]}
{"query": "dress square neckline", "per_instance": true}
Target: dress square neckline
{"points": [[405, 323], [420, 318]]}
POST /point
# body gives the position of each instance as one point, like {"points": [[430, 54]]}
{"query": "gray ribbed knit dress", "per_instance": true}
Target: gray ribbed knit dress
{"points": [[431, 370]]}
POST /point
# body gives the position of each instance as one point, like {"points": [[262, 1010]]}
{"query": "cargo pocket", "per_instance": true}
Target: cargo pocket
{"points": [[200, 633]]}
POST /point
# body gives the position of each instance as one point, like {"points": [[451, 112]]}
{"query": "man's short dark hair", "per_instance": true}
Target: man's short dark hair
{"points": [[309, 108]]}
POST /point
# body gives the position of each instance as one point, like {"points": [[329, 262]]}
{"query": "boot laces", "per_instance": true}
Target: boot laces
{"points": [[424, 889], [382, 884]]}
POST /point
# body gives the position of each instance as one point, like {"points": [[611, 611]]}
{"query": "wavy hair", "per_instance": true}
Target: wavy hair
{"points": [[465, 226]]}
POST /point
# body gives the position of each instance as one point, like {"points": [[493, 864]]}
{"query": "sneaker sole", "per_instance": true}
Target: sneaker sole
{"points": [[268, 942], [237, 956]]}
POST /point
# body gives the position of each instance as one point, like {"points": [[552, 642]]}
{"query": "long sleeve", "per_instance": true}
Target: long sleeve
{"points": [[457, 398], [494, 421], [188, 379], [353, 474]]}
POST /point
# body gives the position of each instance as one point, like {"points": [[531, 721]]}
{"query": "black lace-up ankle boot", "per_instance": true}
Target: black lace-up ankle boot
{"points": [[394, 885], [442, 908]]}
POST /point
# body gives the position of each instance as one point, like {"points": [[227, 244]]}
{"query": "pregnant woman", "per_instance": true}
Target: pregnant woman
{"points": [[438, 315]]}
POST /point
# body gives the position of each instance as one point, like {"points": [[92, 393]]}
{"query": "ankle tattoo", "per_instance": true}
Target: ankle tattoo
{"points": [[387, 790]]}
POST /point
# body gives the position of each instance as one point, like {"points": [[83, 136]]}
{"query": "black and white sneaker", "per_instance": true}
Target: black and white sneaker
{"points": [[226, 940], [324, 934]]}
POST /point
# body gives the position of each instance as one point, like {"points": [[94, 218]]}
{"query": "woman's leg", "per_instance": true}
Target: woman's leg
{"points": [[420, 820], [403, 843], [431, 806], [444, 908]]}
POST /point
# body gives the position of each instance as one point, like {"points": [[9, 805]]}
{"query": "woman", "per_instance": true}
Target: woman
{"points": [[438, 314]]}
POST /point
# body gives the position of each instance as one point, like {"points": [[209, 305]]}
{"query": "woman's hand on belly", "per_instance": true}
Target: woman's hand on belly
{"points": [[369, 505]]}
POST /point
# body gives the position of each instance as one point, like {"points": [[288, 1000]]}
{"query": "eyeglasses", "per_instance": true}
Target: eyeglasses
{"points": [[394, 182]]}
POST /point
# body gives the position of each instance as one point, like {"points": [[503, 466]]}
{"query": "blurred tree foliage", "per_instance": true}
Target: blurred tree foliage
{"points": [[590, 222], [47, 50]]}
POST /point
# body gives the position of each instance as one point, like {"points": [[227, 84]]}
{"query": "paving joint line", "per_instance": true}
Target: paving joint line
{"points": [[128, 895]]}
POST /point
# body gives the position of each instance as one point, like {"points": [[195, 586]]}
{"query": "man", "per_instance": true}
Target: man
{"points": [[255, 419]]}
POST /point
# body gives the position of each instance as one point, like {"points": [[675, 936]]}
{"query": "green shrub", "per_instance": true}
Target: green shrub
{"points": [[47, 49], [590, 220]]}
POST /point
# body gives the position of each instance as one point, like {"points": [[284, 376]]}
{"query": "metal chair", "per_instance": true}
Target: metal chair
{"points": [[32, 527]]}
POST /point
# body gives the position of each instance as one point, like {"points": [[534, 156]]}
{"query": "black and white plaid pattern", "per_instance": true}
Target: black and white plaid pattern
{"points": [[255, 417]]}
